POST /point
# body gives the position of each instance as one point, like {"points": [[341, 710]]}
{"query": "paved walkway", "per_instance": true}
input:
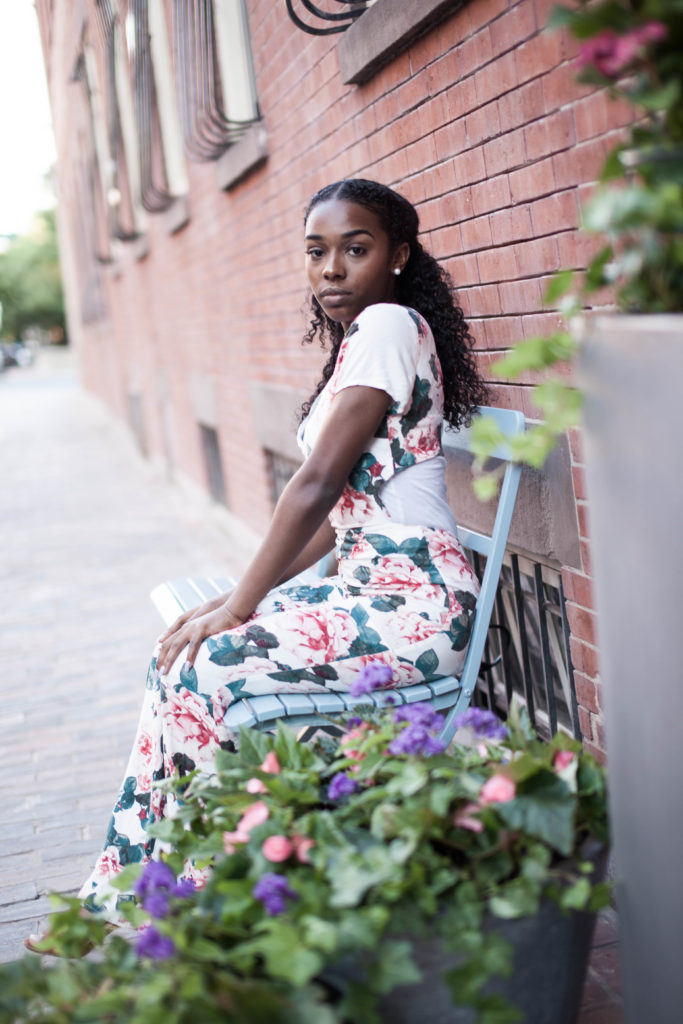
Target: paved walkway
{"points": [[87, 528]]}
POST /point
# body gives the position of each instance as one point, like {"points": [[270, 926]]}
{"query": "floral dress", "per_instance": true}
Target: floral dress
{"points": [[404, 595]]}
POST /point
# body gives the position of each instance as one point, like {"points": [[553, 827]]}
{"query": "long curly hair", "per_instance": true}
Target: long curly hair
{"points": [[423, 285]]}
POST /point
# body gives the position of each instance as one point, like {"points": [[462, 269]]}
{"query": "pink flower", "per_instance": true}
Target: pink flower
{"points": [[253, 816], [230, 839], [271, 764], [610, 54], [463, 818], [301, 848], [256, 786], [498, 790], [277, 848], [562, 760]]}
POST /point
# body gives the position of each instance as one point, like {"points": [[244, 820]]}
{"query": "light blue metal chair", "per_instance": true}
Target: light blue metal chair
{"points": [[450, 694]]}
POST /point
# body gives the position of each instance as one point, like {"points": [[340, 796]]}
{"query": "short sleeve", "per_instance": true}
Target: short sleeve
{"points": [[380, 351]]}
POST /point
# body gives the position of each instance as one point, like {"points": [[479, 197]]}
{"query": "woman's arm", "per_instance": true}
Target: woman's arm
{"points": [[315, 488], [320, 545]]}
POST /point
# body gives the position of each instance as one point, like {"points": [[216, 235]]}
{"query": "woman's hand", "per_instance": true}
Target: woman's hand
{"points": [[191, 629]]}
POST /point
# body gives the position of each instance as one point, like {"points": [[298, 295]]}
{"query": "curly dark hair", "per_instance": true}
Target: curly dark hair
{"points": [[423, 286]]}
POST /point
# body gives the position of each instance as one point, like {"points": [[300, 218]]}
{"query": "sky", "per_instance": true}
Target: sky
{"points": [[27, 149]]}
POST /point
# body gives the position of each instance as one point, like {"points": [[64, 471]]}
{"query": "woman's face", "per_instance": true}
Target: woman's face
{"points": [[349, 261]]}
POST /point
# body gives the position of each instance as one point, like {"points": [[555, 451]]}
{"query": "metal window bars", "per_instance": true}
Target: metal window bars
{"points": [[106, 20], [527, 657], [341, 19], [154, 190], [207, 129]]}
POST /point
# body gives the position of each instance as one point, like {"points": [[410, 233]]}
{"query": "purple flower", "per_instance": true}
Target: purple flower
{"points": [[273, 890], [484, 724], [417, 739], [354, 722], [374, 676], [341, 785], [183, 889], [420, 714], [156, 875], [156, 902], [155, 945]]}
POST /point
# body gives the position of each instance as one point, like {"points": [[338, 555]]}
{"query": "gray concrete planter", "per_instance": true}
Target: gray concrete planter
{"points": [[631, 372], [551, 951]]}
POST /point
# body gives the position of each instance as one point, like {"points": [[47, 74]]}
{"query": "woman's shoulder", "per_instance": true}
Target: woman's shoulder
{"points": [[382, 317]]}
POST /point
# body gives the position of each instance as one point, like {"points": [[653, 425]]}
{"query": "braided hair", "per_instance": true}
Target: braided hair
{"points": [[423, 285]]}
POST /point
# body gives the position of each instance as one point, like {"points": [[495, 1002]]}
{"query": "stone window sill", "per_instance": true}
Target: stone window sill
{"points": [[384, 31], [242, 157]]}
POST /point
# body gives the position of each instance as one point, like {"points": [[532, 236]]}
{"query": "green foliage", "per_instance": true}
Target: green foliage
{"points": [[638, 204], [30, 281], [382, 866]]}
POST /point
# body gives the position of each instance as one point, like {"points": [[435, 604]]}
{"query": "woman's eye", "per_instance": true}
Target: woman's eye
{"points": [[314, 253], [357, 250]]}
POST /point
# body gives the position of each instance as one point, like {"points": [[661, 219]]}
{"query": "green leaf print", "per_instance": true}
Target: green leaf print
{"points": [[427, 664], [420, 405], [188, 677], [325, 672], [417, 549], [261, 637], [382, 545], [308, 594], [434, 366], [183, 764], [401, 457], [362, 573], [461, 625], [236, 688], [415, 317], [387, 604], [368, 640], [127, 798]]}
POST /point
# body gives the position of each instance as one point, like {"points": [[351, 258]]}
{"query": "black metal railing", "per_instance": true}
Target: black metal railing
{"points": [[154, 191], [527, 658], [329, 18]]}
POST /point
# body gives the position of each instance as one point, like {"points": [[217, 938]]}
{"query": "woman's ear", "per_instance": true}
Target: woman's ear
{"points": [[400, 257]]}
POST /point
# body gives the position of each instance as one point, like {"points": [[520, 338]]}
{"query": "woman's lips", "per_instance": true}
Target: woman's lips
{"points": [[334, 298]]}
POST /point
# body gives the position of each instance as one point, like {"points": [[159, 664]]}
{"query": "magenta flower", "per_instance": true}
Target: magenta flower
{"points": [[277, 848], [610, 53], [499, 789]]}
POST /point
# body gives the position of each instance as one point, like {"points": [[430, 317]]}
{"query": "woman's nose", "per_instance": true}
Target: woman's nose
{"points": [[333, 265]]}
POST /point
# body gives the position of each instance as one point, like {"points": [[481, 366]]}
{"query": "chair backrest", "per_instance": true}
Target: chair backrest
{"points": [[510, 422]]}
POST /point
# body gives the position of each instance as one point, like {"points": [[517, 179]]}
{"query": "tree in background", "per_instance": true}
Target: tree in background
{"points": [[31, 283]]}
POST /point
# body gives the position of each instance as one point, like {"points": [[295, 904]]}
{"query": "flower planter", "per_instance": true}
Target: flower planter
{"points": [[551, 953], [630, 370]]}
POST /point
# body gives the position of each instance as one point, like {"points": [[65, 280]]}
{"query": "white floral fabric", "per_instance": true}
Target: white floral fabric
{"points": [[404, 595]]}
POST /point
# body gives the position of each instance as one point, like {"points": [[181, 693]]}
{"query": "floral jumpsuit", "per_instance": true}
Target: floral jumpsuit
{"points": [[404, 594]]}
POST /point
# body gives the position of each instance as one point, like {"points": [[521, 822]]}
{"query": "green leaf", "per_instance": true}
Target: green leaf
{"points": [[576, 896], [394, 966], [544, 808], [519, 898], [559, 284]]}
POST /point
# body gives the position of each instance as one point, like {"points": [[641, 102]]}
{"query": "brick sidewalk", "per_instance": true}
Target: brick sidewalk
{"points": [[88, 528]]}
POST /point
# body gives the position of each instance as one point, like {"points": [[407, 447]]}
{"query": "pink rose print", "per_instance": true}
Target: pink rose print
{"points": [[108, 864], [447, 554], [413, 628], [498, 790], [321, 634], [145, 748], [277, 848], [422, 440], [191, 718]]}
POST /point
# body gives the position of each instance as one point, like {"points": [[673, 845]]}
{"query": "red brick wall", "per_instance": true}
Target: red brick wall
{"points": [[479, 123]]}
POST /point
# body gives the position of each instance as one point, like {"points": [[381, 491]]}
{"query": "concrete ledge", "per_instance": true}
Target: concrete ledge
{"points": [[242, 157], [384, 31], [177, 215]]}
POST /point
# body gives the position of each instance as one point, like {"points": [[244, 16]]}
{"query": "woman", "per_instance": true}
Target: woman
{"points": [[372, 485]]}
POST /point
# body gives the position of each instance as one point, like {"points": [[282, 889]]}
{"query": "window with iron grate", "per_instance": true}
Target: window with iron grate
{"points": [[281, 470], [213, 463], [527, 658]]}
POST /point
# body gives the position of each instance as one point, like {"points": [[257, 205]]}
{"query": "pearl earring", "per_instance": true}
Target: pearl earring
{"points": [[397, 271]]}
